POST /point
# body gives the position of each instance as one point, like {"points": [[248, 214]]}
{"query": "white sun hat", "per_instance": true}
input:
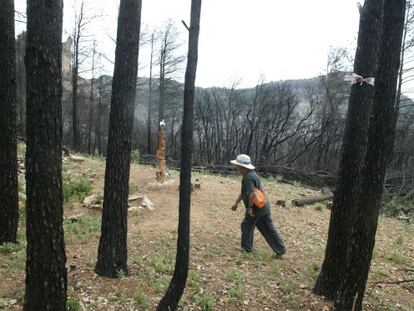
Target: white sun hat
{"points": [[243, 160]]}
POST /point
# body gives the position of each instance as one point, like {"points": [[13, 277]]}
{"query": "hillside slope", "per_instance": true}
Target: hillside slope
{"points": [[221, 277]]}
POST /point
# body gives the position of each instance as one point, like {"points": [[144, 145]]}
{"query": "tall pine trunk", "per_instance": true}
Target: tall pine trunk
{"points": [[9, 214], [112, 252], [98, 118], [175, 290], [75, 121], [91, 147], [380, 145], [45, 264], [353, 152], [149, 149]]}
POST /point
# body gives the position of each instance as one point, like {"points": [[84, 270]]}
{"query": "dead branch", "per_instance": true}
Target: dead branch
{"points": [[311, 200], [393, 282], [185, 25]]}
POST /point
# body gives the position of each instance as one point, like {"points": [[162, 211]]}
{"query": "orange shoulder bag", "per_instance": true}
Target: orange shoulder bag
{"points": [[259, 198]]}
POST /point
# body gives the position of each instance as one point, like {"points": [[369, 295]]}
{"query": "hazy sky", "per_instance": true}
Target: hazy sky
{"points": [[239, 39]]}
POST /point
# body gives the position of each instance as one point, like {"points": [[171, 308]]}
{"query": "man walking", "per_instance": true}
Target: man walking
{"points": [[255, 216]]}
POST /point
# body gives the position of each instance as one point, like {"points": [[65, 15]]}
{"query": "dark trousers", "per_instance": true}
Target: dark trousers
{"points": [[265, 225]]}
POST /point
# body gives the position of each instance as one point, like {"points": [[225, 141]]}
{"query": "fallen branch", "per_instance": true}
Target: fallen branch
{"points": [[390, 283], [311, 200], [406, 270], [393, 282]]}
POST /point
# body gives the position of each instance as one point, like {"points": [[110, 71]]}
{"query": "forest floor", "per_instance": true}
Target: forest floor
{"points": [[221, 277]]}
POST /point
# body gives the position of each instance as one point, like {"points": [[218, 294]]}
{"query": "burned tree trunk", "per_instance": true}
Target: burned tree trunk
{"points": [[353, 152], [380, 146], [177, 284], [9, 214], [45, 265], [149, 116], [112, 252]]}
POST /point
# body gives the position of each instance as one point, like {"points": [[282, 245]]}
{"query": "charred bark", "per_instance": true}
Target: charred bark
{"points": [[9, 214], [353, 152], [46, 276], [380, 145], [177, 284], [112, 252]]}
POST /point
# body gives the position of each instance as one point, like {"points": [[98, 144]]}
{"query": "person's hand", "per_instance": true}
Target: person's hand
{"points": [[234, 207], [250, 211]]}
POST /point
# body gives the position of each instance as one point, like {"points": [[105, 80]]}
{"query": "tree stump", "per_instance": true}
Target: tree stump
{"points": [[161, 172]]}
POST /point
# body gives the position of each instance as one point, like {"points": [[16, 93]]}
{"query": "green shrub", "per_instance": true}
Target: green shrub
{"points": [[135, 156], [160, 283], [122, 297], [73, 304], [86, 226], [287, 286], [142, 300], [395, 207], [234, 275], [161, 264], [399, 259], [99, 198], [236, 292], [312, 270], [293, 303], [193, 279], [120, 274], [319, 206], [399, 241], [205, 301], [8, 248], [76, 189]]}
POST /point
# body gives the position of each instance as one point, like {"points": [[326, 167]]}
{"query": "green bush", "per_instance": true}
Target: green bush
{"points": [[399, 206], [120, 274], [234, 275], [319, 206], [287, 286], [86, 226], [205, 301], [142, 300], [8, 248], [160, 283], [293, 303], [74, 304], [193, 279], [99, 198], [236, 292], [135, 156], [76, 189], [161, 264]]}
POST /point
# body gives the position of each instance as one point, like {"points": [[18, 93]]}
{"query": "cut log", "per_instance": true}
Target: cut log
{"points": [[76, 158], [311, 200], [146, 202], [88, 201], [134, 197], [68, 153]]}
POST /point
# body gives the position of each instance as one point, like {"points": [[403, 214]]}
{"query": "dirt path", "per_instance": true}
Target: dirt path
{"points": [[221, 277]]}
